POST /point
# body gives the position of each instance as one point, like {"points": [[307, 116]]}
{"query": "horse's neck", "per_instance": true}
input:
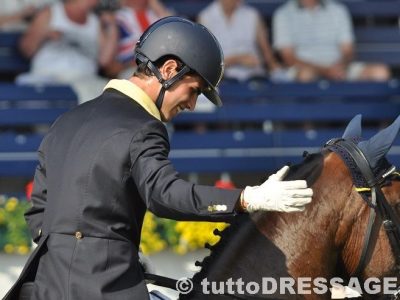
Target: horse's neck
{"points": [[244, 252], [281, 244]]}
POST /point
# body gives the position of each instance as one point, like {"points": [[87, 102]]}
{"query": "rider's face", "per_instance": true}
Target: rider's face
{"points": [[182, 95]]}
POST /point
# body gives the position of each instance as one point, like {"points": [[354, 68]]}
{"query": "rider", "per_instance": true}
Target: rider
{"points": [[105, 162]]}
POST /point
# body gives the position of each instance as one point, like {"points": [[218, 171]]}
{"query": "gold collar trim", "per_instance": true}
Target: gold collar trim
{"points": [[135, 93]]}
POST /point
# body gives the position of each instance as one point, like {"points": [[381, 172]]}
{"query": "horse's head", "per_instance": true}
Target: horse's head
{"points": [[369, 234]]}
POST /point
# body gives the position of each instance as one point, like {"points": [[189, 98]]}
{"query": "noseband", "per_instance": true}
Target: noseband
{"points": [[378, 202]]}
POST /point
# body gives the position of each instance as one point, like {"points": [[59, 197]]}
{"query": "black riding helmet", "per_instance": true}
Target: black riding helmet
{"points": [[191, 43]]}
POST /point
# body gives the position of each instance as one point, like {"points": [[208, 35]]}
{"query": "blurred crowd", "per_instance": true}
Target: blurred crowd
{"points": [[85, 42]]}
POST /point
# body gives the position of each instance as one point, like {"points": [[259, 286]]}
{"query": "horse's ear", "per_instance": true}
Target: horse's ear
{"points": [[353, 129], [377, 146]]}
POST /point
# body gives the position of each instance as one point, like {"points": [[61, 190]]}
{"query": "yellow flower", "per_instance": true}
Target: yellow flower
{"points": [[194, 235], [188, 236], [2, 216], [151, 240], [8, 248], [11, 204], [23, 249]]}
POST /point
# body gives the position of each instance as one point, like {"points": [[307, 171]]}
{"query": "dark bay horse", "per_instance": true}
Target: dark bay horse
{"points": [[324, 242]]}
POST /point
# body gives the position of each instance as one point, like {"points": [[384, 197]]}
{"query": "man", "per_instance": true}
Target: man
{"points": [[315, 38], [105, 162]]}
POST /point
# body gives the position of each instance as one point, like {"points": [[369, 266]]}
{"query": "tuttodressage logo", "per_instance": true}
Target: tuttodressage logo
{"points": [[184, 285], [338, 288]]}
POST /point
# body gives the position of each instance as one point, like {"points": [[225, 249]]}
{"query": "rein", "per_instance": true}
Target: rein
{"points": [[378, 202]]}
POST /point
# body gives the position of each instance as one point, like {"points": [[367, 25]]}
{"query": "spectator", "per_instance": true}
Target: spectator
{"points": [[315, 38], [15, 15], [67, 43], [133, 18], [243, 37]]}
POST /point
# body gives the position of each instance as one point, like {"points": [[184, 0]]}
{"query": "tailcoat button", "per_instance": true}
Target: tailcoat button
{"points": [[78, 235]]}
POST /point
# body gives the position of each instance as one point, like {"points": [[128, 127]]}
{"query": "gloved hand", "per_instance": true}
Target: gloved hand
{"points": [[277, 195]]}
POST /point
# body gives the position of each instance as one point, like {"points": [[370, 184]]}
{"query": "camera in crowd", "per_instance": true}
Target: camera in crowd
{"points": [[108, 5]]}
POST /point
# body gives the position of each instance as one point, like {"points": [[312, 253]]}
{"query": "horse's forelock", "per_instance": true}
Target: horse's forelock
{"points": [[310, 169]]}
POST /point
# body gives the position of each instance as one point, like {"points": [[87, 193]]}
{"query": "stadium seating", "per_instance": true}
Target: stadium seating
{"points": [[379, 44], [22, 106], [33, 105], [252, 151], [11, 60], [258, 150], [219, 150]]}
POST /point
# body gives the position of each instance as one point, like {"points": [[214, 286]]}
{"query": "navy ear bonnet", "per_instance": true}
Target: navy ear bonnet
{"points": [[376, 148]]}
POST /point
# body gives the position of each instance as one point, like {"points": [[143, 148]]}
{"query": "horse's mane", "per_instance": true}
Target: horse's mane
{"points": [[308, 170]]}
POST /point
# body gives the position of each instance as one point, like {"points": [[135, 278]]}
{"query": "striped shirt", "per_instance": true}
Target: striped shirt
{"points": [[131, 25], [315, 34]]}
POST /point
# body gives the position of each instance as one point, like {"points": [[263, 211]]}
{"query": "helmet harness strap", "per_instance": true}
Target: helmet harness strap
{"points": [[165, 84]]}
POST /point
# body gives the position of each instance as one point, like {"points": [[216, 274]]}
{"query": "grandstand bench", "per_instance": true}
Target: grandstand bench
{"points": [[226, 150], [11, 60]]}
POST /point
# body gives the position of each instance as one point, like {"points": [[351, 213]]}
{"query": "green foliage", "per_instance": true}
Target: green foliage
{"points": [[14, 235], [157, 234]]}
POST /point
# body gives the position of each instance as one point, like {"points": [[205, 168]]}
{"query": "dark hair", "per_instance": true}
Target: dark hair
{"points": [[143, 69], [107, 5]]}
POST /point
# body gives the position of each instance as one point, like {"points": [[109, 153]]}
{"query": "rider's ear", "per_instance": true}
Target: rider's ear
{"points": [[377, 146], [353, 129], [168, 69]]}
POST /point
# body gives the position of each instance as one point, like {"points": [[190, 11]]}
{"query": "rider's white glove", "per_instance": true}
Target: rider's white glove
{"points": [[277, 195]]}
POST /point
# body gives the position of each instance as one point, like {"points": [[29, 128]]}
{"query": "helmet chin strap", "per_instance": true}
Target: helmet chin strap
{"points": [[165, 84]]}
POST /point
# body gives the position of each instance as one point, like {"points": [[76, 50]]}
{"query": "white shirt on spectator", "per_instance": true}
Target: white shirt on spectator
{"points": [[72, 56], [316, 35], [236, 36], [72, 59]]}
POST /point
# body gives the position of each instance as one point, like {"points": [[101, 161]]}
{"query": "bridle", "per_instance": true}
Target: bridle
{"points": [[378, 204]]}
